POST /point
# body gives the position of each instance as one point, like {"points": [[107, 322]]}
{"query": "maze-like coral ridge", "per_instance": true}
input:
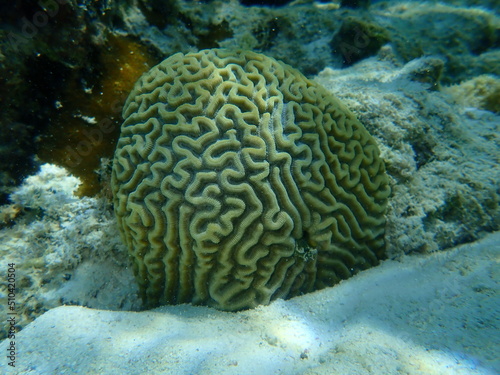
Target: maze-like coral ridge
{"points": [[237, 181]]}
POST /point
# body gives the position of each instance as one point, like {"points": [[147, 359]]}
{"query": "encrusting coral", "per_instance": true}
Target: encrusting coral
{"points": [[237, 180]]}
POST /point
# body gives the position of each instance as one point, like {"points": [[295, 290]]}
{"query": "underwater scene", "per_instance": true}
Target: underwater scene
{"points": [[250, 187]]}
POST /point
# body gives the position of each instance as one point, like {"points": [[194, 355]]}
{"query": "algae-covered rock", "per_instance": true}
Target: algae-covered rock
{"points": [[442, 157], [61, 245], [358, 39], [461, 35], [482, 92]]}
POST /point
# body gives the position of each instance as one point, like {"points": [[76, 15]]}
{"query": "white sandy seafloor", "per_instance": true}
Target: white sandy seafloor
{"points": [[434, 314]]}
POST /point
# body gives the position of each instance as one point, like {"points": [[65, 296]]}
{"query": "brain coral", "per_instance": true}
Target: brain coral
{"points": [[237, 180]]}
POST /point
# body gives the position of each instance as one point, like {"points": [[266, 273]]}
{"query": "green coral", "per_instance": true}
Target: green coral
{"points": [[237, 180]]}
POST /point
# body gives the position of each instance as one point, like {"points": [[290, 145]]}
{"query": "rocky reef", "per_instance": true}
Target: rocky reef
{"points": [[429, 95], [71, 63]]}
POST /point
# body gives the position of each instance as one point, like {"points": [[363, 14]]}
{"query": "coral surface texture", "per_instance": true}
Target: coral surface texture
{"points": [[237, 181]]}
